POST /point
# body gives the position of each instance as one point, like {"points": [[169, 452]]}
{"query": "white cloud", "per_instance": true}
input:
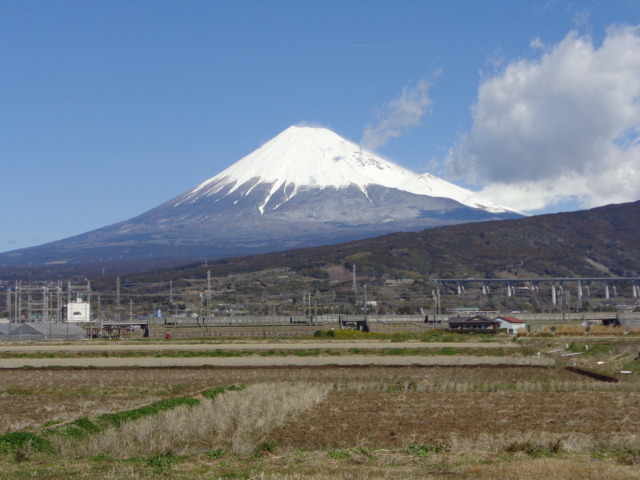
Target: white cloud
{"points": [[404, 112], [563, 126], [581, 17], [536, 43]]}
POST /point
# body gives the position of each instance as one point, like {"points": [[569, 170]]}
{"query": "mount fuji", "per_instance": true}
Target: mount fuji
{"points": [[305, 187]]}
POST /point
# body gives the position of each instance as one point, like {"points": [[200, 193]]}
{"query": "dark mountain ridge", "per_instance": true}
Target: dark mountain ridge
{"points": [[600, 242]]}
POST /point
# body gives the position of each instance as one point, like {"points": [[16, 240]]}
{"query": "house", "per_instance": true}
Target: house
{"points": [[478, 323], [510, 324]]}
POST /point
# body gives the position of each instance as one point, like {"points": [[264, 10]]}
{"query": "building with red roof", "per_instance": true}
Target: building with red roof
{"points": [[510, 324]]}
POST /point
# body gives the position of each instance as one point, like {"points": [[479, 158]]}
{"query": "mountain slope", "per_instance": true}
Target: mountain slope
{"points": [[307, 186]]}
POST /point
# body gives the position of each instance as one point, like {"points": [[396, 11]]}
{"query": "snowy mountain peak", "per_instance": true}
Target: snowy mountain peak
{"points": [[303, 158]]}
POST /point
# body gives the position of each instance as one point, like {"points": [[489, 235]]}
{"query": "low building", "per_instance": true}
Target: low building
{"points": [[78, 311], [510, 324], [37, 332], [477, 323]]}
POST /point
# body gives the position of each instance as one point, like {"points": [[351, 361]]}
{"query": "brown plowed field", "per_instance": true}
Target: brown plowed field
{"points": [[31, 397], [399, 419]]}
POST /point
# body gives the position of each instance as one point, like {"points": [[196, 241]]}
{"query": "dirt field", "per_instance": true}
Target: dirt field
{"points": [[347, 418], [31, 397], [397, 421]]}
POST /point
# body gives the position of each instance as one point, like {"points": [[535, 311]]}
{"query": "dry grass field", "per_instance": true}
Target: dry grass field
{"points": [[399, 422]]}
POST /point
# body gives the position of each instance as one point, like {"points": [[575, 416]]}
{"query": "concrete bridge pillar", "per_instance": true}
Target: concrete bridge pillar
{"points": [[606, 291], [554, 299], [561, 294], [588, 289], [509, 290], [460, 289], [579, 302], [485, 289], [615, 291], [634, 287]]}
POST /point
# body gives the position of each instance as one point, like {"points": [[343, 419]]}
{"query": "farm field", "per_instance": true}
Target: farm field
{"points": [[321, 422]]}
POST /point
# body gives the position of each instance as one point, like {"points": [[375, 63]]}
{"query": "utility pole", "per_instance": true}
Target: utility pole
{"points": [[365, 299], [208, 290], [354, 286]]}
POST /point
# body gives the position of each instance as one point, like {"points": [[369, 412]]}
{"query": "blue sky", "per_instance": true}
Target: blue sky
{"points": [[110, 108]]}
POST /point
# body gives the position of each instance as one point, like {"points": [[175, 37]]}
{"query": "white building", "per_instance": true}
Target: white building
{"points": [[510, 324], [78, 311]]}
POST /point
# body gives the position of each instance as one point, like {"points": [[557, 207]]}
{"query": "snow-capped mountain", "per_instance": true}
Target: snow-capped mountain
{"points": [[305, 187], [303, 158]]}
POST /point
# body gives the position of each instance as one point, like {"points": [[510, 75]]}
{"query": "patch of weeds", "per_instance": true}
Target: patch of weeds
{"points": [[507, 457], [327, 334], [205, 353], [633, 366], [268, 446], [135, 460], [422, 450], [212, 393], [401, 387], [395, 387], [21, 444], [627, 456], [400, 337], [163, 462], [442, 466], [85, 424], [117, 419], [20, 391], [102, 458], [398, 351], [535, 450], [313, 352], [447, 351], [51, 423], [364, 451], [339, 454], [215, 454], [300, 453]]}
